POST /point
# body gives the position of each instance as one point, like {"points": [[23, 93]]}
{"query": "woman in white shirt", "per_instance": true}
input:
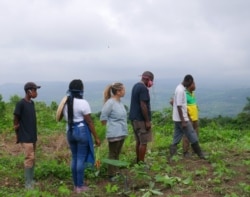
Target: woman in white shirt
{"points": [[79, 129]]}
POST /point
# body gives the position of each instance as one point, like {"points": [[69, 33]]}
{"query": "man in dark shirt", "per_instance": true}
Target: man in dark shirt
{"points": [[140, 114], [26, 130]]}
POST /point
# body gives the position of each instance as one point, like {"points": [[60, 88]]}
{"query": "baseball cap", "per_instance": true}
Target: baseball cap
{"points": [[31, 85]]}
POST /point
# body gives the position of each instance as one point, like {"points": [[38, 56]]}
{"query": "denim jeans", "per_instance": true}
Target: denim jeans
{"points": [[188, 131], [79, 146]]}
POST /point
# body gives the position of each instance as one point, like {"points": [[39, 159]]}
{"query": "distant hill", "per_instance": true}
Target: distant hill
{"points": [[212, 101]]}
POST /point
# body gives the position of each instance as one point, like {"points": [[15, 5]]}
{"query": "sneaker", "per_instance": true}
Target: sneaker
{"points": [[81, 189]]}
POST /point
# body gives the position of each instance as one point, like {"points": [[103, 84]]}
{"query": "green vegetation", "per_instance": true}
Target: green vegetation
{"points": [[226, 172]]}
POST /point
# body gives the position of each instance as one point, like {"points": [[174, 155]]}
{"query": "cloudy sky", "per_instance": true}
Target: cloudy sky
{"points": [[58, 40]]}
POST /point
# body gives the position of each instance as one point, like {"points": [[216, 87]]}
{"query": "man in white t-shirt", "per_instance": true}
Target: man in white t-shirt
{"points": [[182, 124]]}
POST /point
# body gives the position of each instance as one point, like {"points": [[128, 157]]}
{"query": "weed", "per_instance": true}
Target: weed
{"points": [[201, 172], [166, 180], [52, 168], [245, 188], [110, 189], [151, 191]]}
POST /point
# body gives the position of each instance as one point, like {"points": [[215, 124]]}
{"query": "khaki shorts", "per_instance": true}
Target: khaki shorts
{"points": [[29, 154], [142, 135]]}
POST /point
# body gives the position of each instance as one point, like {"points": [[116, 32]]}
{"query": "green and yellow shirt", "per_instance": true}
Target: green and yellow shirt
{"points": [[192, 107]]}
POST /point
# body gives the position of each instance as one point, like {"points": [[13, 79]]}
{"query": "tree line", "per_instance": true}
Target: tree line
{"points": [[46, 116]]}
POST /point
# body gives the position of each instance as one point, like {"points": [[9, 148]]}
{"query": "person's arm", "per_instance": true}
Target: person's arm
{"points": [[105, 113], [183, 122], [144, 110], [90, 123], [171, 102], [104, 122], [16, 126]]}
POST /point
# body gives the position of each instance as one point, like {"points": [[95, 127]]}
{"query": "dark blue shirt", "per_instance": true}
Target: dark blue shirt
{"points": [[139, 93]]}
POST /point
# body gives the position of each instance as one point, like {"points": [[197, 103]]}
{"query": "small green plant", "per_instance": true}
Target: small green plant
{"points": [[201, 172], [32, 193], [45, 169], [188, 181], [110, 189], [151, 191], [166, 180], [245, 188], [246, 162], [220, 169], [140, 172], [63, 190]]}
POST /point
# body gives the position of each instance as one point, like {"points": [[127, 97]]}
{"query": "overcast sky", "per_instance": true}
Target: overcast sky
{"points": [[58, 40]]}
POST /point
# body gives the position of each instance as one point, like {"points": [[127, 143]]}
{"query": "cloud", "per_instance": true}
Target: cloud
{"points": [[96, 40]]}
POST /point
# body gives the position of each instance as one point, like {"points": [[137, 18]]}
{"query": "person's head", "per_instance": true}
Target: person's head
{"points": [[75, 91], [76, 88], [192, 87], [187, 81], [147, 78], [116, 89], [30, 89]]}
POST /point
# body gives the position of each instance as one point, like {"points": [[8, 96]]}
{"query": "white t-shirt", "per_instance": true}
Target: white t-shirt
{"points": [[180, 100], [80, 107]]}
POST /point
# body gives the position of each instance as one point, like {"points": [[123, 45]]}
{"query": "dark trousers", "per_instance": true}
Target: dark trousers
{"points": [[185, 141], [114, 152]]}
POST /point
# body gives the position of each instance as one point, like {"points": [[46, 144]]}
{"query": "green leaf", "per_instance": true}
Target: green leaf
{"points": [[147, 194], [114, 162], [187, 181], [156, 192]]}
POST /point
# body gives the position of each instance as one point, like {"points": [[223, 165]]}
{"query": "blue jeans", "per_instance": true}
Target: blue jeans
{"points": [[188, 131], [79, 146]]}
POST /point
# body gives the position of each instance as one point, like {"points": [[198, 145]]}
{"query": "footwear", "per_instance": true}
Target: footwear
{"points": [[197, 150], [28, 177], [81, 189], [172, 151], [187, 155]]}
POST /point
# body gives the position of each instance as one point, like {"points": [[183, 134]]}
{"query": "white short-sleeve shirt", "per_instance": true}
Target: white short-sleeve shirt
{"points": [[180, 100], [81, 107]]}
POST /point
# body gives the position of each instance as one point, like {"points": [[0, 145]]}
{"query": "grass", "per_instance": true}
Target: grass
{"points": [[225, 173]]}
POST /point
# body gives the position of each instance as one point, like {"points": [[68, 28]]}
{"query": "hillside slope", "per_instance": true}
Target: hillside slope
{"points": [[225, 101]]}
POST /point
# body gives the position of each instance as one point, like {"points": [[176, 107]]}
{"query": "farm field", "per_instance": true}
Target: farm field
{"points": [[226, 172]]}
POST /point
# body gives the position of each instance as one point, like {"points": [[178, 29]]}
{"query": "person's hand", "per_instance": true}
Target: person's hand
{"points": [[183, 124], [148, 125], [97, 142], [16, 127], [17, 139], [171, 102]]}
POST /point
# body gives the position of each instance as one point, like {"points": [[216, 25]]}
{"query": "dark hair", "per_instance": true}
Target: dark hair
{"points": [[76, 84], [147, 74], [75, 91], [188, 80]]}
